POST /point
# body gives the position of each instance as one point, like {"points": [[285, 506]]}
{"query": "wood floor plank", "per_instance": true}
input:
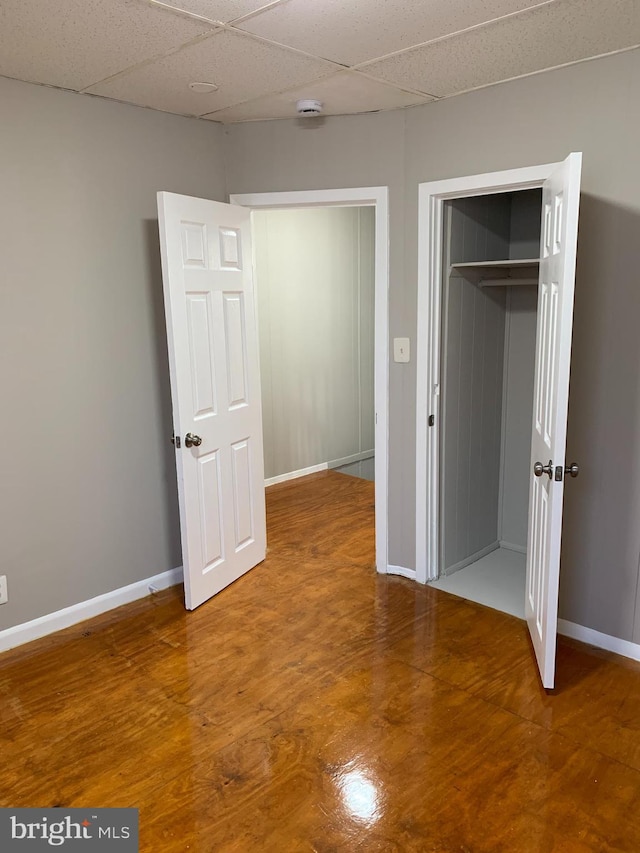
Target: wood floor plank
{"points": [[316, 706]]}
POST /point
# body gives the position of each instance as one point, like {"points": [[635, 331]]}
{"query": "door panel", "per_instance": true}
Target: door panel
{"points": [[241, 464], [215, 386], [236, 349], [199, 319], [560, 201]]}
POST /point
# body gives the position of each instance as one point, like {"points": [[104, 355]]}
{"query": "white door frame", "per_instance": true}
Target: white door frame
{"points": [[377, 197], [431, 199]]}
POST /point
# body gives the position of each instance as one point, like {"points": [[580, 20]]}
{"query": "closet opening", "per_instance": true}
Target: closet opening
{"points": [[489, 298]]}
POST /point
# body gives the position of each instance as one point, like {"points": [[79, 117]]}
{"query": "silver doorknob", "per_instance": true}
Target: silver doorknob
{"points": [[539, 469], [191, 440], [572, 470]]}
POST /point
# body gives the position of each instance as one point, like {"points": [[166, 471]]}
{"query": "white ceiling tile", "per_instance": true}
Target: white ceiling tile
{"points": [[358, 30], [344, 93], [561, 32], [74, 43], [147, 51], [242, 67], [215, 10]]}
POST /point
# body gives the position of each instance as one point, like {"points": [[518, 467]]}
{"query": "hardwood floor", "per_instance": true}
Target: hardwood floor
{"points": [[316, 706]]}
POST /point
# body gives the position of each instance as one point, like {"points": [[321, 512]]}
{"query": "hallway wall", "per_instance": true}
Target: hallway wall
{"points": [[315, 285]]}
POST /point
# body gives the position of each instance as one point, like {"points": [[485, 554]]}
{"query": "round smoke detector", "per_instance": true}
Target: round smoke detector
{"points": [[309, 107]]}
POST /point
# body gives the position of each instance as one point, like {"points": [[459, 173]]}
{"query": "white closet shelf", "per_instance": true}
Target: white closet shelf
{"points": [[499, 273]]}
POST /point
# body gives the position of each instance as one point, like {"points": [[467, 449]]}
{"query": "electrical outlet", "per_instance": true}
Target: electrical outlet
{"points": [[4, 595]]}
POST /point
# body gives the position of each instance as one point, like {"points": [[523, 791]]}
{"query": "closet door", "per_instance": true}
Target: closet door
{"points": [[560, 200]]}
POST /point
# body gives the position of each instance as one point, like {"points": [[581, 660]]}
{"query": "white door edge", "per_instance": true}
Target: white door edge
{"points": [[431, 198], [377, 197]]}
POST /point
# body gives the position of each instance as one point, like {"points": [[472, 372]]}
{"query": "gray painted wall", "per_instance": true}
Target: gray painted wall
{"points": [[314, 276], [524, 224], [488, 373], [472, 419], [479, 228], [88, 500], [496, 227], [591, 107], [476, 229], [520, 349]]}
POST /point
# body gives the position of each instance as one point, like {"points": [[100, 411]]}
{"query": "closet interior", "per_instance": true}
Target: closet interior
{"points": [[489, 311]]}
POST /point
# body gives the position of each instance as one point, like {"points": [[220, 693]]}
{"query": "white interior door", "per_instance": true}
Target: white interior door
{"points": [[560, 200], [215, 386]]}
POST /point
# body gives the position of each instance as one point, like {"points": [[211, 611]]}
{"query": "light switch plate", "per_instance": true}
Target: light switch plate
{"points": [[4, 595], [401, 351]]}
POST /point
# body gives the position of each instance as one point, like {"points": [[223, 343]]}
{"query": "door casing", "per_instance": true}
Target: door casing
{"points": [[431, 199], [377, 197]]}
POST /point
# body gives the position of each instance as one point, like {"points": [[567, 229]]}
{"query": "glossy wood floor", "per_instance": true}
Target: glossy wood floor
{"points": [[314, 706]]}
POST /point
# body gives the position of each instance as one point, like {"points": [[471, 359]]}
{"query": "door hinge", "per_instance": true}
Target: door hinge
{"points": [[432, 420]]}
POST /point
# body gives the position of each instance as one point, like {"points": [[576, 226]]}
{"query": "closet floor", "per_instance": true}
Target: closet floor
{"points": [[497, 581]]}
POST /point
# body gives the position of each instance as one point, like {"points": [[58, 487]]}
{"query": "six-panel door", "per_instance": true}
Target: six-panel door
{"points": [[560, 202], [215, 384]]}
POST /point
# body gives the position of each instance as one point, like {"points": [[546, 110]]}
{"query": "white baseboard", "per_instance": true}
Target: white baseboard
{"points": [[400, 570], [472, 558], [293, 475], [349, 460], [509, 546], [52, 622], [323, 466], [602, 641], [68, 616]]}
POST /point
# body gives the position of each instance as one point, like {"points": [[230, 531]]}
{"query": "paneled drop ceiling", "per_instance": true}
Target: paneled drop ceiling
{"points": [[353, 55]]}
